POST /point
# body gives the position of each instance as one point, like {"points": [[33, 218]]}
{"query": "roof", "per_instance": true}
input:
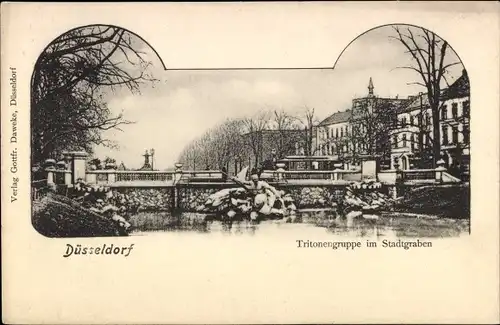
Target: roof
{"points": [[337, 117], [270, 131], [415, 102], [304, 158], [460, 88]]}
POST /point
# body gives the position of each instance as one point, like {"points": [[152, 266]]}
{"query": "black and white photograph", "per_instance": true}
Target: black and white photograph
{"points": [[375, 145], [250, 163]]}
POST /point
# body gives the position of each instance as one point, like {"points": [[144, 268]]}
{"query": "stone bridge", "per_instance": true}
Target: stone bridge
{"points": [[186, 190]]}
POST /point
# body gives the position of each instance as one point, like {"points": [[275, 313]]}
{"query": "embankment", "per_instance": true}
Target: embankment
{"points": [[58, 216], [450, 201]]}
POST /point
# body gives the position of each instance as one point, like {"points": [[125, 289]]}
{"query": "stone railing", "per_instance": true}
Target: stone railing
{"points": [[117, 176], [112, 176], [202, 175], [322, 175], [73, 168], [437, 175], [419, 174]]}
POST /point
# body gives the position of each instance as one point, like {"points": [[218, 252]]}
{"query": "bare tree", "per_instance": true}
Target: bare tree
{"points": [[216, 148], [227, 142], [341, 147], [191, 155], [283, 123], [370, 125], [253, 128], [68, 110], [308, 122], [432, 57]]}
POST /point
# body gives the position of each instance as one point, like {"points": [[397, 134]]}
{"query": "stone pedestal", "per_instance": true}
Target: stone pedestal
{"points": [[439, 173], [67, 178], [369, 169], [178, 172], [177, 176], [281, 174], [50, 175], [111, 177], [280, 171], [77, 164], [336, 173]]}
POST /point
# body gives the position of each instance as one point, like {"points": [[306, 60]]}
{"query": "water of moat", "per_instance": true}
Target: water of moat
{"points": [[306, 222]]}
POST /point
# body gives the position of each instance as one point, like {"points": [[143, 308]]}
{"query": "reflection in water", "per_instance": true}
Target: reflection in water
{"points": [[399, 225]]}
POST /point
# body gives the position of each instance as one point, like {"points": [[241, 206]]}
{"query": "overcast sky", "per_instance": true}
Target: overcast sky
{"points": [[184, 104]]}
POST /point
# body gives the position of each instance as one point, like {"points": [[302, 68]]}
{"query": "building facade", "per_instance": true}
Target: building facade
{"points": [[412, 136], [360, 130]]}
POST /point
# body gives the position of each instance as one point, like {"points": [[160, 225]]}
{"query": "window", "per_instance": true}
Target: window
{"points": [[454, 136], [466, 132], [454, 110], [444, 112], [341, 132], [466, 108], [412, 120], [445, 134], [404, 140], [412, 141], [336, 133]]}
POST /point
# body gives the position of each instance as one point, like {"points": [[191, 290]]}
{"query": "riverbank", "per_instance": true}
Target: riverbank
{"points": [[59, 216], [447, 201]]}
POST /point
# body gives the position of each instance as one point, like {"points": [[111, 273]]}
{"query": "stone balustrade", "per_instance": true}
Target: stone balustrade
{"points": [[111, 176], [189, 189], [323, 175]]}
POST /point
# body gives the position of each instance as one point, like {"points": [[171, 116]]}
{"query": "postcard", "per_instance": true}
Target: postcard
{"points": [[293, 162]]}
